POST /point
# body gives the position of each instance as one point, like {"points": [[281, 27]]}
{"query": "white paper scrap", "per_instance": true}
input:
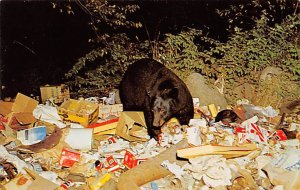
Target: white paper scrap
{"points": [[80, 138], [20, 164], [120, 144], [48, 114], [173, 168], [198, 123], [193, 135]]}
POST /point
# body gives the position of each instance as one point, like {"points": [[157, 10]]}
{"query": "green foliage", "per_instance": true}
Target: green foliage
{"points": [[244, 14], [180, 53], [248, 52], [240, 59], [102, 69]]}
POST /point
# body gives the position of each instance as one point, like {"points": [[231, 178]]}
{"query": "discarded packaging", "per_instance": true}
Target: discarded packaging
{"points": [[132, 126], [32, 136], [110, 99], [48, 114], [108, 147], [107, 127], [213, 110], [288, 179], [111, 164], [110, 110], [69, 157], [59, 93], [15, 183], [99, 182], [21, 110], [79, 111], [130, 161]]}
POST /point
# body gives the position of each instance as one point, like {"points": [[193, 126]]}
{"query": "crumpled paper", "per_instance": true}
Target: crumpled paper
{"points": [[212, 169], [19, 164], [173, 168], [257, 110], [289, 160], [105, 147], [48, 114], [193, 135]]}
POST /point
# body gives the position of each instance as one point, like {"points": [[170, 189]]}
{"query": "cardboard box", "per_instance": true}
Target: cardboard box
{"points": [[131, 123], [20, 111], [24, 104], [79, 111], [110, 110], [59, 93], [105, 127], [5, 108]]}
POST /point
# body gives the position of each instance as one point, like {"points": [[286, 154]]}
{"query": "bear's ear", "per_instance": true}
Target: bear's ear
{"points": [[170, 93]]}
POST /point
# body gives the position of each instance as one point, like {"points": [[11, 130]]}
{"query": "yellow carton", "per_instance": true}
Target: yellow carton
{"points": [[79, 111]]}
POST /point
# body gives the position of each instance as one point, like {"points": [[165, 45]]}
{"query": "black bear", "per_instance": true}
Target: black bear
{"points": [[149, 86]]}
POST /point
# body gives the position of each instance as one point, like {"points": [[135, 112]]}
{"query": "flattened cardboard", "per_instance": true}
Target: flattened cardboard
{"points": [[129, 122], [20, 110], [24, 118], [226, 151], [59, 93], [24, 104], [5, 107]]}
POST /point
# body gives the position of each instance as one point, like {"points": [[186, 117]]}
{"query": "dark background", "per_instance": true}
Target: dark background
{"points": [[39, 43]]}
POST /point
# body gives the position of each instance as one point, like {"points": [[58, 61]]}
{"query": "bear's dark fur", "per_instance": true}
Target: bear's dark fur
{"points": [[150, 87]]}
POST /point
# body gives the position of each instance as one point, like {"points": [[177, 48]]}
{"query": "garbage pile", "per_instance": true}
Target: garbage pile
{"points": [[93, 144]]}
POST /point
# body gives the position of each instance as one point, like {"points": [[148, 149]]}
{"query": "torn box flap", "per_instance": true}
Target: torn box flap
{"points": [[5, 107], [129, 124], [135, 117], [24, 104], [24, 118]]}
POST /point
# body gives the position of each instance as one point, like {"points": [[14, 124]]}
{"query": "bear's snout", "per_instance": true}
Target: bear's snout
{"points": [[158, 122]]}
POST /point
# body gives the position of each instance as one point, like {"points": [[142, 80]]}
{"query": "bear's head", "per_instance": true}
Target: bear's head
{"points": [[163, 106]]}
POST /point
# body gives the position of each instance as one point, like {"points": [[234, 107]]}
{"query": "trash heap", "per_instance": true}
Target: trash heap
{"points": [[93, 144]]}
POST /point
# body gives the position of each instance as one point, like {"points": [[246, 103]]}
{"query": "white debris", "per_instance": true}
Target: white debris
{"points": [[20, 164], [212, 169], [173, 168], [48, 114], [193, 135]]}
